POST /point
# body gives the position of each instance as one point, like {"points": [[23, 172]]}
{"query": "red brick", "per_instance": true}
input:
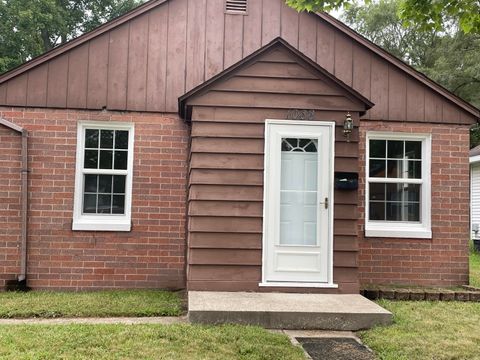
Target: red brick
{"points": [[62, 259], [426, 262]]}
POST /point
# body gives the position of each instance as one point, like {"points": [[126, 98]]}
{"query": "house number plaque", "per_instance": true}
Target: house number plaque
{"points": [[296, 114]]}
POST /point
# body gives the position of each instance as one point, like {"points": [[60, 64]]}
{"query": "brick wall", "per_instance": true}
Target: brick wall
{"points": [[152, 255], [443, 260], [10, 205]]}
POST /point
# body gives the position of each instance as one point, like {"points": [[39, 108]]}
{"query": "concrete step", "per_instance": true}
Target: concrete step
{"points": [[286, 311]]}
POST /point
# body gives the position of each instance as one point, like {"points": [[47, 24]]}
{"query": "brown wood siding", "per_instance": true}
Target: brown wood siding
{"points": [[226, 172], [181, 43]]}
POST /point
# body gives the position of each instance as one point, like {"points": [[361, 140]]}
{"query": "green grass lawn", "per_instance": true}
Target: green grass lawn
{"points": [[144, 342], [427, 330], [89, 304], [475, 269]]}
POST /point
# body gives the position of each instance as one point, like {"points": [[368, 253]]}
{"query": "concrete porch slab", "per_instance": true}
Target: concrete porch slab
{"points": [[286, 311]]}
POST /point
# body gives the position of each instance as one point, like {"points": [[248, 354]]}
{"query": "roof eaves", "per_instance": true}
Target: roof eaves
{"points": [[474, 159], [400, 64], [80, 40]]}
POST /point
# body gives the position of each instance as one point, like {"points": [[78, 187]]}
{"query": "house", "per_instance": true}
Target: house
{"points": [[198, 144], [475, 192]]}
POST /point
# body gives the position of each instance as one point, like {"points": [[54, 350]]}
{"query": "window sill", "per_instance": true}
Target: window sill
{"points": [[101, 225], [393, 232]]}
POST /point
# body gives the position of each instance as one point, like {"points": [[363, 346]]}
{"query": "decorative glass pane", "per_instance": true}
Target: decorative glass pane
{"points": [[119, 184], [91, 183], [413, 149], [105, 184], [298, 218], [91, 138], [121, 139], [298, 194], [104, 204], [299, 145], [91, 159], [121, 160], [106, 159], [395, 149], [118, 204], [106, 139], [377, 210], [89, 204], [377, 168], [378, 148]]}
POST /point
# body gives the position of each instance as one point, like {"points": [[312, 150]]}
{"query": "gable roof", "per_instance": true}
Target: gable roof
{"points": [[176, 89], [69, 45], [400, 64], [475, 151], [278, 42]]}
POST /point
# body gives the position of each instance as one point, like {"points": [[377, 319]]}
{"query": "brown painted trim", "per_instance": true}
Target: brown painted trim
{"points": [[24, 199], [149, 5], [185, 111], [11, 125], [400, 64]]}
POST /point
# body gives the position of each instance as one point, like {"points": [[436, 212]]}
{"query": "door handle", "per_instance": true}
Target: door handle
{"points": [[325, 203]]}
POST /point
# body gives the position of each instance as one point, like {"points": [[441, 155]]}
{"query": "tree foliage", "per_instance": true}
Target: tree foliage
{"points": [[449, 57], [28, 28], [427, 14]]}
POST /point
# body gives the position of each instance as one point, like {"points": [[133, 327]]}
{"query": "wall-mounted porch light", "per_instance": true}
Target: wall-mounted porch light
{"points": [[348, 126]]}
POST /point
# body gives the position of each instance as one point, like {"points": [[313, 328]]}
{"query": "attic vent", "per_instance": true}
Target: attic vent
{"points": [[236, 6]]}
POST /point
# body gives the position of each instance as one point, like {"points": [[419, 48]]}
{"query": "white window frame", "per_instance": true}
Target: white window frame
{"points": [[405, 229], [102, 222]]}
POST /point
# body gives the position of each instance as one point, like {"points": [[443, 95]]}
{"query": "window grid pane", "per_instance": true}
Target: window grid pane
{"points": [[395, 159], [105, 150], [104, 194], [394, 202], [101, 150], [397, 201]]}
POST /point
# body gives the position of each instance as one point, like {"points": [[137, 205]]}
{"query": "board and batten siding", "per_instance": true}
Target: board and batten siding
{"points": [[226, 172], [147, 62], [475, 197]]}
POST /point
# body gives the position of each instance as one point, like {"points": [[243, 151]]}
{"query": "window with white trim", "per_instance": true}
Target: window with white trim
{"points": [[398, 188], [103, 180]]}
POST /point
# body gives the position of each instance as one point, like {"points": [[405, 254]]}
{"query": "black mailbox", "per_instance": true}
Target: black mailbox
{"points": [[346, 181]]}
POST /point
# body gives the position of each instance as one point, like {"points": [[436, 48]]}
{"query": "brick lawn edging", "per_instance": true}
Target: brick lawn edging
{"points": [[471, 294]]}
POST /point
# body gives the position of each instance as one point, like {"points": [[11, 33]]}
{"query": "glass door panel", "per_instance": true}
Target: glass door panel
{"points": [[298, 192]]}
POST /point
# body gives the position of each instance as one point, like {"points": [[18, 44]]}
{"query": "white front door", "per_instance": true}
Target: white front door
{"points": [[297, 246]]}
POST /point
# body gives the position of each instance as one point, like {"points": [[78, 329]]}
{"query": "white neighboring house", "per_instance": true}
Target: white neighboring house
{"points": [[475, 192]]}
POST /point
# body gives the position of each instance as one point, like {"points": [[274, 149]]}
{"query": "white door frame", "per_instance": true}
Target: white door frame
{"points": [[266, 199]]}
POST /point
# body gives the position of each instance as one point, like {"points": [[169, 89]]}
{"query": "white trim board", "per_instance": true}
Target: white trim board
{"points": [[102, 222], [395, 229], [298, 130]]}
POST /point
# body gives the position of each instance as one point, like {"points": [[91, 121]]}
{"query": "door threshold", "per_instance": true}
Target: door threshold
{"points": [[299, 285]]}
